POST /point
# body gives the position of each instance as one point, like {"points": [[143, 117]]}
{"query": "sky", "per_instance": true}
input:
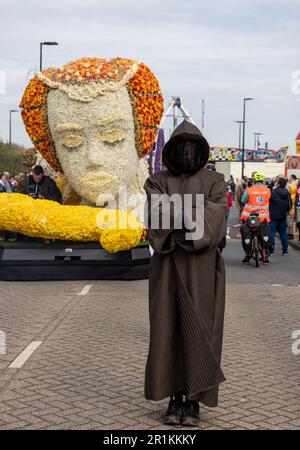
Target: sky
{"points": [[198, 49]]}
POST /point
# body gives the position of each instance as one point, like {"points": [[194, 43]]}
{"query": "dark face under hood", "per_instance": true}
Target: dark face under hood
{"points": [[187, 150]]}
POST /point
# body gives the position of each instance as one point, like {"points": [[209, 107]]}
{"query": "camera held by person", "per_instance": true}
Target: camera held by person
{"points": [[40, 186]]}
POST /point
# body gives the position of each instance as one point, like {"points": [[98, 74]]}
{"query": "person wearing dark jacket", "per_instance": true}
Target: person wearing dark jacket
{"points": [[280, 205], [39, 185], [186, 279]]}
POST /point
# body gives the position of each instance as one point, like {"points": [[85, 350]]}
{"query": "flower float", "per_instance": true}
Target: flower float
{"points": [[94, 120], [115, 230], [83, 81]]}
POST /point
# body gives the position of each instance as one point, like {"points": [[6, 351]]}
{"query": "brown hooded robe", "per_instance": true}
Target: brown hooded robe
{"points": [[187, 287]]}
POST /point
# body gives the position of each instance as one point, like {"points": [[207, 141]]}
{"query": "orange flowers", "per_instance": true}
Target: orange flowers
{"points": [[148, 137], [35, 123], [46, 149], [35, 94], [34, 115], [150, 110], [144, 82], [147, 102], [88, 69]]}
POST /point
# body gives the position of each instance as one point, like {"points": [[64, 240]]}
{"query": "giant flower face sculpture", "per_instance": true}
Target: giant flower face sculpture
{"points": [[95, 120]]}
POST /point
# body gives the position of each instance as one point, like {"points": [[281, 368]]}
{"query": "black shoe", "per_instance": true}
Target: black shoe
{"points": [[246, 259], [173, 415], [191, 415]]}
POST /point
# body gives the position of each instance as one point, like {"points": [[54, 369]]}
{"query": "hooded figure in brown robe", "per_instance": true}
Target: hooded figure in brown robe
{"points": [[187, 276]]}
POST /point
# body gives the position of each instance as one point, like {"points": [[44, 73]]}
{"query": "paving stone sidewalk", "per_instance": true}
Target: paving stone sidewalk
{"points": [[88, 372]]}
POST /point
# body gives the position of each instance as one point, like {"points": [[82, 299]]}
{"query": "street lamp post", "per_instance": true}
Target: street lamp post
{"points": [[41, 52], [244, 122], [240, 131], [9, 134]]}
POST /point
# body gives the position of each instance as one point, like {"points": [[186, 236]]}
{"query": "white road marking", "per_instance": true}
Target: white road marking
{"points": [[276, 285], [85, 289], [298, 285], [2, 343], [24, 355]]}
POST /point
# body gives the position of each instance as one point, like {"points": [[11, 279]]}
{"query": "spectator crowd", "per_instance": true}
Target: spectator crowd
{"points": [[284, 202], [36, 184]]}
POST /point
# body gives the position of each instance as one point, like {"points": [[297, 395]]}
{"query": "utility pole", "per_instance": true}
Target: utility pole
{"points": [[41, 52], [240, 131], [244, 122], [202, 112], [9, 132]]}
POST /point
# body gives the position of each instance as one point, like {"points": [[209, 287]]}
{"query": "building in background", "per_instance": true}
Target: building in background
{"points": [[228, 161], [293, 166], [269, 169]]}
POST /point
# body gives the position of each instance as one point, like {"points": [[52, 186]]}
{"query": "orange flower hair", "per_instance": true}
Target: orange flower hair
{"points": [[143, 88]]}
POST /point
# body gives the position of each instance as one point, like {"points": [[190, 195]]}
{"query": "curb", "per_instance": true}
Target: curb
{"points": [[295, 245]]}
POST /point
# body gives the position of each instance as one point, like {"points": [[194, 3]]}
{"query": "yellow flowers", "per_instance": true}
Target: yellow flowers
{"points": [[116, 230], [72, 140], [120, 222], [112, 136]]}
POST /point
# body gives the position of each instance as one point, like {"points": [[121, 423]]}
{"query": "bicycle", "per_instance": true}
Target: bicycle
{"points": [[255, 245]]}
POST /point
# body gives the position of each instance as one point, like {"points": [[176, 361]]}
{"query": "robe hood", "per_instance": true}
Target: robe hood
{"points": [[186, 131]]}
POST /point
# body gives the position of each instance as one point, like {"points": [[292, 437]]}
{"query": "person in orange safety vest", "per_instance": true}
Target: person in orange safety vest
{"points": [[256, 199]]}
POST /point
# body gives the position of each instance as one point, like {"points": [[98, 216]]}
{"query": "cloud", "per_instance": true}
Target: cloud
{"points": [[220, 51]]}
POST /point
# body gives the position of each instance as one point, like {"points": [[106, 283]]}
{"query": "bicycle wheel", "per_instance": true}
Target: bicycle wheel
{"points": [[256, 251], [263, 255]]}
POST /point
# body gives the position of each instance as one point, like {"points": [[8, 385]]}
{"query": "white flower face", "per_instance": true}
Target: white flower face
{"points": [[95, 142]]}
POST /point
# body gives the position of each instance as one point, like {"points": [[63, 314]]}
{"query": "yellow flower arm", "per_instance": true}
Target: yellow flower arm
{"points": [[116, 230]]}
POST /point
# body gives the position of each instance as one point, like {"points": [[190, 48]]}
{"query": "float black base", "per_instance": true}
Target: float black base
{"points": [[38, 261]]}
